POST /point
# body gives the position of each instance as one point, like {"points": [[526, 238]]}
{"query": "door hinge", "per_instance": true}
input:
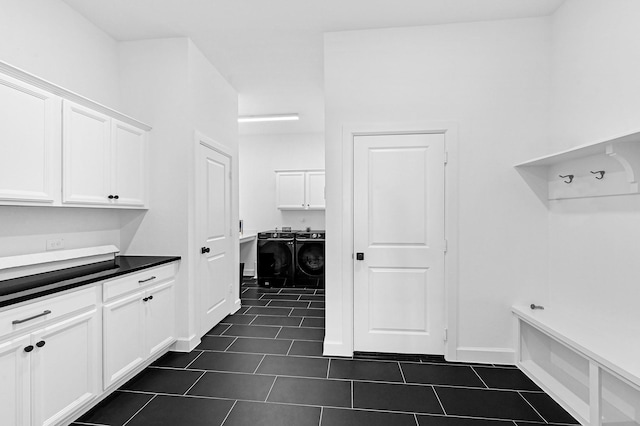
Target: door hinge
{"points": [[446, 334], [446, 157]]}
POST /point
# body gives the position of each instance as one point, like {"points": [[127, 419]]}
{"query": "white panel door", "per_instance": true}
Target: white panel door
{"points": [[123, 337], [290, 188], [213, 212], [315, 190], [399, 229], [159, 317], [29, 136], [14, 382], [128, 170], [86, 156], [65, 368]]}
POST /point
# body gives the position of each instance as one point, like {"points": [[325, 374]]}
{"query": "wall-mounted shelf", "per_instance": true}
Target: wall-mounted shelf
{"points": [[610, 167]]}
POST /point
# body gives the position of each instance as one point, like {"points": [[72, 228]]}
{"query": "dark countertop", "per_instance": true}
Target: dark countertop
{"points": [[32, 286]]}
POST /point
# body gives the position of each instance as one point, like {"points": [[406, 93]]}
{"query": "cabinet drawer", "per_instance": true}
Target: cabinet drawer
{"points": [[45, 310], [136, 281]]}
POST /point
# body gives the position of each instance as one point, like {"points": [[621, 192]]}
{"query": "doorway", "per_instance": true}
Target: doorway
{"points": [[399, 243], [216, 269]]}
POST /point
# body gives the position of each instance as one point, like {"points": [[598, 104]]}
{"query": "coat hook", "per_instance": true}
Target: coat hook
{"points": [[570, 177], [600, 172]]}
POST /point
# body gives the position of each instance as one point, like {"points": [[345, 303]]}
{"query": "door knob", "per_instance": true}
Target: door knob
{"points": [[204, 250], [360, 256]]}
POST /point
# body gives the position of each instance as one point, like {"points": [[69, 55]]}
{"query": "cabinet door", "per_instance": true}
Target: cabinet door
{"points": [[129, 157], [29, 141], [290, 190], [123, 337], [159, 317], [14, 382], [65, 368], [86, 156], [315, 190]]}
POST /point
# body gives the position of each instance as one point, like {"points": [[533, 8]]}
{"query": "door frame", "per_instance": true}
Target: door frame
{"points": [[201, 139], [450, 132]]}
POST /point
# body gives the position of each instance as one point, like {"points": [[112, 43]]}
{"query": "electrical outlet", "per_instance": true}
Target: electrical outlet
{"points": [[55, 244]]}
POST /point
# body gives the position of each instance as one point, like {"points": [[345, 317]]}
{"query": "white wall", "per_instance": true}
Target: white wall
{"points": [[169, 84], [260, 156], [49, 39], [594, 247], [492, 78]]}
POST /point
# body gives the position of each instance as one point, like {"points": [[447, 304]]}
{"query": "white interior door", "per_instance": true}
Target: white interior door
{"points": [[213, 205], [399, 230]]}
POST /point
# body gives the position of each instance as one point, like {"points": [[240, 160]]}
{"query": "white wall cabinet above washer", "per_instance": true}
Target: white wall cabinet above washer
{"points": [[29, 138], [300, 189], [104, 160]]}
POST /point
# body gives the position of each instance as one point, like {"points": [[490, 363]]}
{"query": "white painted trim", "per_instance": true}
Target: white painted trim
{"points": [[186, 345], [43, 84], [336, 349], [450, 131], [486, 355]]}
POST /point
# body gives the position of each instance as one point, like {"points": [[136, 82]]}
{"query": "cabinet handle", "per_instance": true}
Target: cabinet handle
{"points": [[145, 299], [111, 197], [47, 312], [151, 297], [116, 197], [40, 343], [28, 348], [204, 250], [148, 279]]}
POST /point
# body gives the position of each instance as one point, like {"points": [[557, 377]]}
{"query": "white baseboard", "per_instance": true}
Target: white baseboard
{"points": [[486, 355], [186, 345], [336, 349], [236, 306]]}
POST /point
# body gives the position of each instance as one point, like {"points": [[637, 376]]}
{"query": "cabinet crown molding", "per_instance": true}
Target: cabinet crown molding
{"points": [[43, 84]]}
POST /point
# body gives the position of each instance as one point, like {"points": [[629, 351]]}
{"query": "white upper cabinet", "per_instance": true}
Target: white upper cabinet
{"points": [[29, 138], [300, 189], [86, 155], [315, 190], [58, 148], [104, 160]]}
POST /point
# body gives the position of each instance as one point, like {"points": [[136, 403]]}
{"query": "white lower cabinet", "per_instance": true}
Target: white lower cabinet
{"points": [[56, 360], [65, 368], [136, 327], [14, 382], [49, 372]]}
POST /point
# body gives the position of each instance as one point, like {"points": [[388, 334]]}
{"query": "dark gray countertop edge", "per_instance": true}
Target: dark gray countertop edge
{"points": [[140, 263]]}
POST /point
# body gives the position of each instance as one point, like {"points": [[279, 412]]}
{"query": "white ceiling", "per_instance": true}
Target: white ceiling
{"points": [[271, 50]]}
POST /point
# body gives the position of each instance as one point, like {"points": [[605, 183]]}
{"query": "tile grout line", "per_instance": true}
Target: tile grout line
{"points": [[479, 377], [439, 402], [321, 412], [259, 364], [141, 408], [194, 383], [328, 368], [404, 380], [194, 360], [415, 417], [229, 345], [534, 408], [271, 388], [290, 346], [352, 390], [229, 413]]}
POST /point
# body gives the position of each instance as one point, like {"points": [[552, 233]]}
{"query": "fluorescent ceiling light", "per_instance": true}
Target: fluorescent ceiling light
{"points": [[267, 117]]}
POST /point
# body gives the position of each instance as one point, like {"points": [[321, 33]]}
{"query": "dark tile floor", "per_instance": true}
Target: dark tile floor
{"points": [[264, 366]]}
